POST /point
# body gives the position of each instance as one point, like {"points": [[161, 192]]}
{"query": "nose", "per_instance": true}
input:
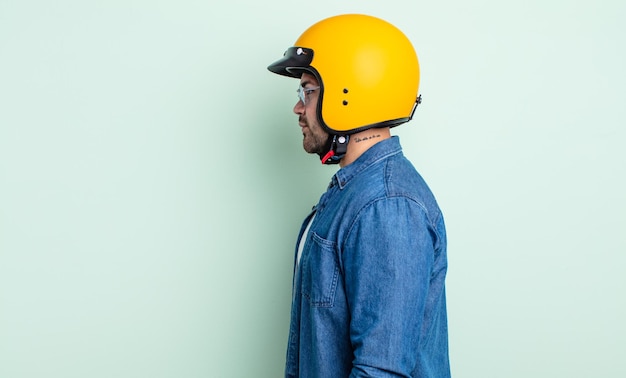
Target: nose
{"points": [[299, 108]]}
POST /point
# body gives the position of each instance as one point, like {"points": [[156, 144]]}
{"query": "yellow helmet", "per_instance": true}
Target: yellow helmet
{"points": [[367, 69]]}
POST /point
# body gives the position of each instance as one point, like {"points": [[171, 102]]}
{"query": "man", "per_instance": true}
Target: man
{"points": [[370, 263]]}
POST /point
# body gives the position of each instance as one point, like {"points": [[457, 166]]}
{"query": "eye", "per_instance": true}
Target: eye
{"points": [[308, 91], [304, 92]]}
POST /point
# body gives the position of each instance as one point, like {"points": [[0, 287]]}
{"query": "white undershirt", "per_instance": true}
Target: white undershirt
{"points": [[303, 240]]}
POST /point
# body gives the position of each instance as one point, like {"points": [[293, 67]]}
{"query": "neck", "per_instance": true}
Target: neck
{"points": [[361, 142]]}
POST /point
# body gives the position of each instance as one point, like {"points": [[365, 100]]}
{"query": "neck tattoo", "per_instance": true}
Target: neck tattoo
{"points": [[357, 139]]}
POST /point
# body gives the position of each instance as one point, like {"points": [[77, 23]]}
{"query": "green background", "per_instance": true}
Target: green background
{"points": [[152, 182]]}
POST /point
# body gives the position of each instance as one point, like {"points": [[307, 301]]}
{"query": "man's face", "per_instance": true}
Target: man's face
{"points": [[314, 136]]}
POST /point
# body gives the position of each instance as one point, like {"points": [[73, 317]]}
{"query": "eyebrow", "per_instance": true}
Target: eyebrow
{"points": [[304, 83]]}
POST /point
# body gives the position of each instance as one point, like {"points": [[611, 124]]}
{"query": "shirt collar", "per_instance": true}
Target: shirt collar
{"points": [[377, 152]]}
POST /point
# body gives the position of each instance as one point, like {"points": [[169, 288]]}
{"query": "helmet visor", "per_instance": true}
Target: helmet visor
{"points": [[293, 63]]}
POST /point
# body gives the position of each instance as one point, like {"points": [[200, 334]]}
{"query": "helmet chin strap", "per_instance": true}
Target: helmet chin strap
{"points": [[338, 145]]}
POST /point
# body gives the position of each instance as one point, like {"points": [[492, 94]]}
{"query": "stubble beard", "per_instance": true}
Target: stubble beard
{"points": [[313, 139]]}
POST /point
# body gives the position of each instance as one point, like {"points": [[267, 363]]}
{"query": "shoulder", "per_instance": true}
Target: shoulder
{"points": [[401, 179]]}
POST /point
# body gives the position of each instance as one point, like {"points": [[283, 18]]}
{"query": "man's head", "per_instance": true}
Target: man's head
{"points": [[367, 71]]}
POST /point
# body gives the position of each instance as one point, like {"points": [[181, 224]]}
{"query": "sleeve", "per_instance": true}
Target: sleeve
{"points": [[388, 258]]}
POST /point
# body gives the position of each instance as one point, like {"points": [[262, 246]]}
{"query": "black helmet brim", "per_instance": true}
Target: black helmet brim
{"points": [[294, 62]]}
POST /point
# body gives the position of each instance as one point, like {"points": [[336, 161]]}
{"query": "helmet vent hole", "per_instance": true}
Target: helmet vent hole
{"points": [[345, 90], [345, 102]]}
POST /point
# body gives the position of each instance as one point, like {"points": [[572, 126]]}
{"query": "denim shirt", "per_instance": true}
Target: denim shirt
{"points": [[368, 291]]}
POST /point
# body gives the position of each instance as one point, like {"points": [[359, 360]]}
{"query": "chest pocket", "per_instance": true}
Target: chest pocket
{"points": [[320, 272]]}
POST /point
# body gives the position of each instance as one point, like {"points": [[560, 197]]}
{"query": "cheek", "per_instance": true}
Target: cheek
{"points": [[318, 131]]}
